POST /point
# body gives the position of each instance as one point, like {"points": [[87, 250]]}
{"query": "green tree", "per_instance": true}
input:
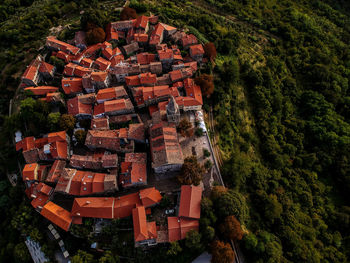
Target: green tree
{"points": [[21, 253], [108, 257], [82, 257], [193, 240], [53, 120], [174, 249]]}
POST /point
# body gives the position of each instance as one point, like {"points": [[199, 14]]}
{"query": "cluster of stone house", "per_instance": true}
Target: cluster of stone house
{"points": [[108, 85]]}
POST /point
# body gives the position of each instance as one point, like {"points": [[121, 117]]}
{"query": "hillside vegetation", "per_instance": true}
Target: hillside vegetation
{"points": [[281, 106]]}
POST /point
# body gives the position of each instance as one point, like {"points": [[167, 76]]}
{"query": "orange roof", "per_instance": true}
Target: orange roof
{"points": [[150, 196], [190, 201], [140, 224], [111, 93], [147, 78], [44, 188], [80, 71], [59, 150], [57, 215], [102, 63], [178, 227], [30, 172], [46, 67], [156, 35], [57, 136], [56, 170], [26, 144], [141, 37], [165, 54], [141, 22], [98, 183], [132, 81], [145, 58], [167, 27], [60, 45], [75, 107], [63, 55], [40, 200], [196, 50], [188, 40], [124, 204], [95, 207], [86, 62], [69, 69], [174, 231], [99, 76], [72, 85]]}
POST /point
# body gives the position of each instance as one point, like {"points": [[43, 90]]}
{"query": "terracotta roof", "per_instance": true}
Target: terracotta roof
{"points": [[26, 144], [133, 173], [86, 62], [132, 81], [30, 172], [111, 93], [168, 28], [59, 150], [100, 124], [140, 224], [99, 76], [63, 55], [156, 35], [143, 230], [166, 54], [108, 139], [51, 41], [40, 200], [94, 161], [57, 215], [193, 91], [143, 38], [150, 196], [188, 40], [75, 107], [80, 71], [72, 85], [114, 106], [141, 22], [196, 50], [57, 136], [111, 33], [145, 58], [136, 131], [32, 70], [102, 63], [124, 205], [190, 201], [148, 78], [95, 207], [46, 68], [178, 227], [39, 143], [91, 50], [56, 171], [165, 147]]}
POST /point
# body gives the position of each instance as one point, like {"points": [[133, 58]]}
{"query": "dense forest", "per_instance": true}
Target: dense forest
{"points": [[281, 105]]}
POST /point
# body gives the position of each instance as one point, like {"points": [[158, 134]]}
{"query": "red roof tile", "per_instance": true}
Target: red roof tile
{"points": [[30, 171], [150, 196], [72, 85], [190, 201], [26, 144], [57, 215], [42, 90]]}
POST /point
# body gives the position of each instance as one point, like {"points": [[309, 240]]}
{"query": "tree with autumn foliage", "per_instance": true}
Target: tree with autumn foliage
{"points": [[205, 81], [191, 171], [210, 51], [231, 228], [222, 252], [95, 35], [128, 13], [185, 128]]}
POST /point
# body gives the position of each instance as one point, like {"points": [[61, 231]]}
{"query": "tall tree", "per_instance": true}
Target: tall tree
{"points": [[191, 171], [222, 252], [205, 81], [231, 228]]}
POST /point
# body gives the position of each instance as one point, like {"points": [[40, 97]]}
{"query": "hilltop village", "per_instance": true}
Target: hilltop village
{"points": [[133, 96]]}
